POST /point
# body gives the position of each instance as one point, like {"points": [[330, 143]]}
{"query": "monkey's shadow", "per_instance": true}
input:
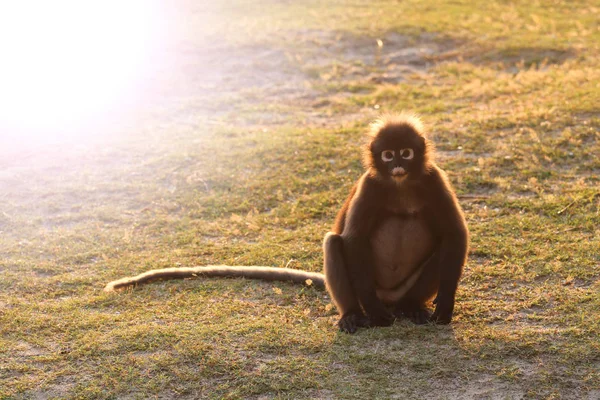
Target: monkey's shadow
{"points": [[406, 352]]}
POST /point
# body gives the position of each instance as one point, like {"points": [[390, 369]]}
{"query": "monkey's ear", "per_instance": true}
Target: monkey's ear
{"points": [[424, 142], [367, 151], [428, 153], [367, 155]]}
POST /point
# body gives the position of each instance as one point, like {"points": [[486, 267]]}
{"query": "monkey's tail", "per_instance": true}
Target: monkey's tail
{"points": [[263, 273]]}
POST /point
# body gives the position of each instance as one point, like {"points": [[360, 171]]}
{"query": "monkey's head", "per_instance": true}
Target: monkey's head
{"points": [[397, 148]]}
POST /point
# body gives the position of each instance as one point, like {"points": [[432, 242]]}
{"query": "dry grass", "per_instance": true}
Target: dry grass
{"points": [[243, 153]]}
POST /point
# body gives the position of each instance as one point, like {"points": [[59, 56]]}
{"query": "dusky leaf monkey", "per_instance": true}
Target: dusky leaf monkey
{"points": [[399, 240]]}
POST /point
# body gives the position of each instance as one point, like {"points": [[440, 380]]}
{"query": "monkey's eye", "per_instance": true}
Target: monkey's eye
{"points": [[407, 154], [387, 155]]}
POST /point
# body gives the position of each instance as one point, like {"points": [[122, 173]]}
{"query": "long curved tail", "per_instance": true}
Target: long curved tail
{"points": [[224, 271]]}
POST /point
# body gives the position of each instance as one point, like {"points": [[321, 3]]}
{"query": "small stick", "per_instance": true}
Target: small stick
{"points": [[568, 206]]}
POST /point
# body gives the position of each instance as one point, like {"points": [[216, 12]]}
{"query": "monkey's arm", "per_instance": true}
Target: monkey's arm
{"points": [[340, 219], [448, 222], [359, 221], [223, 271]]}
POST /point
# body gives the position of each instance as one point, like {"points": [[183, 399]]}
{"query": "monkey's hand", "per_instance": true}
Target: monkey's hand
{"points": [[349, 322], [381, 318], [376, 312], [443, 313]]}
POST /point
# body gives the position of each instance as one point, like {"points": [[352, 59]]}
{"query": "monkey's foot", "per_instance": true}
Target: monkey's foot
{"points": [[441, 317], [350, 322], [417, 314]]}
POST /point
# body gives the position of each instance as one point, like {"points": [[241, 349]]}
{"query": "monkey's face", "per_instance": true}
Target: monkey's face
{"points": [[397, 162], [398, 154]]}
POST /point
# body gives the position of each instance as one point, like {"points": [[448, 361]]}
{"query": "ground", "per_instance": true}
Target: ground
{"points": [[243, 149]]}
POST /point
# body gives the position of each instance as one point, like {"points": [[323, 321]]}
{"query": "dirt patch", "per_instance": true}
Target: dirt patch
{"points": [[59, 389], [523, 58], [388, 59], [479, 387], [312, 74], [26, 349], [285, 70]]}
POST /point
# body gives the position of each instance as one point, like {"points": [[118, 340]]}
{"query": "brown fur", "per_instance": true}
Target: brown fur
{"points": [[399, 240]]}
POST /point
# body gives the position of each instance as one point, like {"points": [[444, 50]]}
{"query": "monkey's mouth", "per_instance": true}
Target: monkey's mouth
{"points": [[398, 172]]}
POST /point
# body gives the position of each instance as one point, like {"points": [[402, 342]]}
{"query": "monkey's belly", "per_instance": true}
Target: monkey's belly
{"points": [[400, 245]]}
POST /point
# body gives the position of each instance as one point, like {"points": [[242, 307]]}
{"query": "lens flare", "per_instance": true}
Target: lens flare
{"points": [[69, 64]]}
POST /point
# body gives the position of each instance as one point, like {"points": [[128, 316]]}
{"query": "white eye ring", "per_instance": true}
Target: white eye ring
{"points": [[387, 155], [407, 154]]}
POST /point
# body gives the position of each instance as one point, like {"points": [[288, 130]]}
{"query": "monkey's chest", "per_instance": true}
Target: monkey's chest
{"points": [[399, 244]]}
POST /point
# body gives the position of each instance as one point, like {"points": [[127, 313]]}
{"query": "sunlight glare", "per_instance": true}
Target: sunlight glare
{"points": [[69, 64]]}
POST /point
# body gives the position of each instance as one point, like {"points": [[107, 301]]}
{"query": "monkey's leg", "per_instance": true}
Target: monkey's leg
{"points": [[413, 304], [339, 287]]}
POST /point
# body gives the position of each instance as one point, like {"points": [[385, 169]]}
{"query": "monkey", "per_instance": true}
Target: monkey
{"points": [[399, 239]]}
